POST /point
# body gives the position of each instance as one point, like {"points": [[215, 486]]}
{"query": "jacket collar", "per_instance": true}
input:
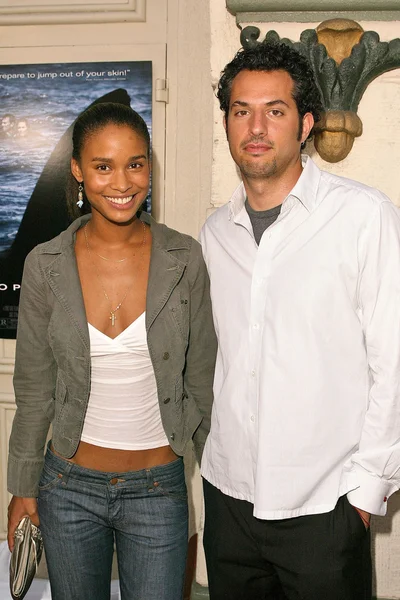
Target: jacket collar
{"points": [[166, 270]]}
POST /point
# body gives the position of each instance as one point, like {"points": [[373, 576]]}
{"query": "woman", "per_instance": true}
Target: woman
{"points": [[116, 350]]}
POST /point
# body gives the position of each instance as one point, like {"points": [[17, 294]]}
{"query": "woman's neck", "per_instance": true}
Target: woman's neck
{"points": [[108, 233]]}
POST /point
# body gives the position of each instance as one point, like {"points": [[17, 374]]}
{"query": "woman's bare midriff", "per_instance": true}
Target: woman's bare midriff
{"points": [[111, 460]]}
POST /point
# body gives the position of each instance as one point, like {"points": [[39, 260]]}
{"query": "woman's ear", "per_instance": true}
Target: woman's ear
{"points": [[76, 170]]}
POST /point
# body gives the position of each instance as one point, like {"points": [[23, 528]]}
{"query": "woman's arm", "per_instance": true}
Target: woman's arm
{"points": [[202, 348], [34, 384]]}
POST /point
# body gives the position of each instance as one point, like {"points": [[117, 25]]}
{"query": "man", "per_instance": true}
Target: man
{"points": [[8, 125], [305, 284]]}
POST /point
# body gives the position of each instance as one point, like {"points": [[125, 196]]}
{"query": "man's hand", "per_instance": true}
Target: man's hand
{"points": [[365, 516], [17, 509]]}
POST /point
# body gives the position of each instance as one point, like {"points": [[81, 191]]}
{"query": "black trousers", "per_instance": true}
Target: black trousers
{"points": [[314, 557]]}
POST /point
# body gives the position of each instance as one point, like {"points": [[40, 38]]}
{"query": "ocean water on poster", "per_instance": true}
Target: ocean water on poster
{"points": [[50, 102]]}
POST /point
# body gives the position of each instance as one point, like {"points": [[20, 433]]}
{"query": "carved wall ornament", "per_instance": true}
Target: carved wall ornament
{"points": [[345, 60], [312, 11]]}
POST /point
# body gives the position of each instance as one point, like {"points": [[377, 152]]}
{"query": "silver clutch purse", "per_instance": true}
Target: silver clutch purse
{"points": [[25, 557]]}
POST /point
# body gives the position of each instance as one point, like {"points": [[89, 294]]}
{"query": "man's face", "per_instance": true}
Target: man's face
{"points": [[6, 124], [264, 128]]}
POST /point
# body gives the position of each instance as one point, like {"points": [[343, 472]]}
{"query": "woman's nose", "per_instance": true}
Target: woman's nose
{"points": [[121, 181]]}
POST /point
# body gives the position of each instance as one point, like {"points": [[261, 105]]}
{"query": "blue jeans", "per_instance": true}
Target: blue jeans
{"points": [[83, 512]]}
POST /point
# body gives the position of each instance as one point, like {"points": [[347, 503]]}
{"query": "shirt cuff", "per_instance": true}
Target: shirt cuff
{"points": [[372, 494]]}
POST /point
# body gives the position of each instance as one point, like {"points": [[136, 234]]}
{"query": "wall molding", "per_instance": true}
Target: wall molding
{"points": [[6, 368], [310, 11], [48, 12]]}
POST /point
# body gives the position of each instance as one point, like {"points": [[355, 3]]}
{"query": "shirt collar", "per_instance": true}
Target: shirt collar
{"points": [[306, 187], [305, 190]]}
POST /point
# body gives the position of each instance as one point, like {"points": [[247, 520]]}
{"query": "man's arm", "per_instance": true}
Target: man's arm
{"points": [[377, 461]]}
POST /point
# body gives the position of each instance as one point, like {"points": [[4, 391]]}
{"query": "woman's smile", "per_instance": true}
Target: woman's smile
{"points": [[120, 200]]}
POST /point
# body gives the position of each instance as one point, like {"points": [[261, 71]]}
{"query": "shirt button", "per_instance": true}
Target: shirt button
{"points": [[167, 400], [256, 326], [172, 436], [252, 418], [253, 373], [166, 355]]}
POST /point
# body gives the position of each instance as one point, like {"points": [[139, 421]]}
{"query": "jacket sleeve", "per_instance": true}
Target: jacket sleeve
{"points": [[376, 463], [34, 384], [202, 347]]}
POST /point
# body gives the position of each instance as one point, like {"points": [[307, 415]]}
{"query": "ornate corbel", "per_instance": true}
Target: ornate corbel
{"points": [[345, 60]]}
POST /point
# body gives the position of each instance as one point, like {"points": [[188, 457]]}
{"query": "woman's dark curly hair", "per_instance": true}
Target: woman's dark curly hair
{"points": [[88, 123], [268, 56]]}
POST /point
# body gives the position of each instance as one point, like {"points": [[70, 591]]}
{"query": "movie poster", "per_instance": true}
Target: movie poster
{"points": [[39, 104]]}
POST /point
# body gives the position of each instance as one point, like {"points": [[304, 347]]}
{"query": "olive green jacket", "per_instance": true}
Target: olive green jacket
{"points": [[52, 367]]}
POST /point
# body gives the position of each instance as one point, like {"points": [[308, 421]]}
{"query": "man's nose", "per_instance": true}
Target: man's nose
{"points": [[258, 123]]}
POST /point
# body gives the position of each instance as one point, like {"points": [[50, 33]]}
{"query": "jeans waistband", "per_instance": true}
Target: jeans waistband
{"points": [[65, 467]]}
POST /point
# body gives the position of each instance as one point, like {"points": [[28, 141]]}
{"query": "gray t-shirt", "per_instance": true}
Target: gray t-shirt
{"points": [[261, 219]]}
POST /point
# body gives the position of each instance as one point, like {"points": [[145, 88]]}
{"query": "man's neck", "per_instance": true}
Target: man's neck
{"points": [[268, 192]]}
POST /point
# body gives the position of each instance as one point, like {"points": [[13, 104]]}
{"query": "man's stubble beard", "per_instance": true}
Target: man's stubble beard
{"points": [[249, 170]]}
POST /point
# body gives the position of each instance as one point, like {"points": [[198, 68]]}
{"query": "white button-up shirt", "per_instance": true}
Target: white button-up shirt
{"points": [[307, 383]]}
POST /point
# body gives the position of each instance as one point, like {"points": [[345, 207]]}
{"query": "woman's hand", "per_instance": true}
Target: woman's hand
{"points": [[17, 509]]}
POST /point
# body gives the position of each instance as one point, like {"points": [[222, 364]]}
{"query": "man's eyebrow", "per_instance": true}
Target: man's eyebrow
{"points": [[270, 103]]}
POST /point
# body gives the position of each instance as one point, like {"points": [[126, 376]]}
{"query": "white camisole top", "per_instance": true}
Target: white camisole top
{"points": [[123, 410]]}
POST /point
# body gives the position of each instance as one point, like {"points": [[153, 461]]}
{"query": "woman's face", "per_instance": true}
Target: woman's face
{"points": [[115, 169], [22, 128]]}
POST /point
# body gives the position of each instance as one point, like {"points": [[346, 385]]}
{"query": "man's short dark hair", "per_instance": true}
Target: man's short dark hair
{"points": [[10, 117], [272, 56]]}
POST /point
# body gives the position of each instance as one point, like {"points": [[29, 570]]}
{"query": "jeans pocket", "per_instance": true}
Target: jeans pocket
{"points": [[49, 479], [174, 488]]}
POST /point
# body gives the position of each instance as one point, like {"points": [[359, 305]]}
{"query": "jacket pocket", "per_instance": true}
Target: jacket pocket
{"points": [[180, 315], [180, 395]]}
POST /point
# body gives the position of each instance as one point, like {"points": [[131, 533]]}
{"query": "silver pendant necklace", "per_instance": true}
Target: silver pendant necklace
{"points": [[113, 316]]}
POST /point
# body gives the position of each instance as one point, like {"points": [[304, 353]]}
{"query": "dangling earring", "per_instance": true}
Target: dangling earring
{"points": [[80, 195]]}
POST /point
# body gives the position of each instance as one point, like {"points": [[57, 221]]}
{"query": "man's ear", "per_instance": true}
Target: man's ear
{"points": [[76, 170], [308, 124]]}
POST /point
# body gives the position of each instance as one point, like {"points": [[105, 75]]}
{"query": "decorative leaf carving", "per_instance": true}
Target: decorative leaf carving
{"points": [[342, 86]]}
